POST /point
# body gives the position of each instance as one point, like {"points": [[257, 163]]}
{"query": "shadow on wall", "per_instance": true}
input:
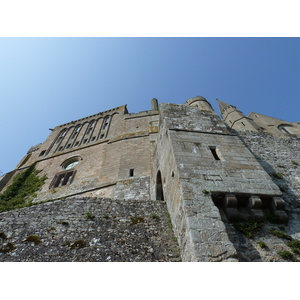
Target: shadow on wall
{"points": [[249, 235]]}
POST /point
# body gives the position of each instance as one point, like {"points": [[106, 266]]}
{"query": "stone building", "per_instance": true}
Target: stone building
{"points": [[176, 183]]}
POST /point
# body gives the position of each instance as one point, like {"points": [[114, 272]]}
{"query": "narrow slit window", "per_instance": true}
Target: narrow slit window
{"points": [[131, 172], [214, 152]]}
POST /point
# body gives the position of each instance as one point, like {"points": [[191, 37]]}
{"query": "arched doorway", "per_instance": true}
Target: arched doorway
{"points": [[159, 187]]}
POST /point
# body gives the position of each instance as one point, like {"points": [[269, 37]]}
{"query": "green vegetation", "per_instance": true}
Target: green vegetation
{"points": [[277, 175], [154, 216], [78, 244], [22, 190], [281, 234], [137, 220], [7, 248], [33, 239], [3, 235], [205, 192], [294, 245], [89, 216], [248, 227], [262, 245], [287, 255]]}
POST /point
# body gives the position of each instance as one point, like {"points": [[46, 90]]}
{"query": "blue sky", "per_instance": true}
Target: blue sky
{"points": [[45, 82]]}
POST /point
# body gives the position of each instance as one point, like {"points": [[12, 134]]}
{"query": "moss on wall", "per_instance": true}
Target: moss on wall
{"points": [[22, 190]]}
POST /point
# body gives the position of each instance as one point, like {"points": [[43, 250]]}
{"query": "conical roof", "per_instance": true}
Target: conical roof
{"points": [[223, 105]]}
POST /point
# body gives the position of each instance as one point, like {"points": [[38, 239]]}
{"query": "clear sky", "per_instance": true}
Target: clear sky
{"points": [[45, 82]]}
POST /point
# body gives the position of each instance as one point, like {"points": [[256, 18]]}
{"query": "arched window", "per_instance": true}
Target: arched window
{"points": [[76, 131], [159, 187], [71, 162], [66, 177]]}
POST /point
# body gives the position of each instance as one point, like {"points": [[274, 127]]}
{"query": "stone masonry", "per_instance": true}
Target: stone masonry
{"points": [[143, 186]]}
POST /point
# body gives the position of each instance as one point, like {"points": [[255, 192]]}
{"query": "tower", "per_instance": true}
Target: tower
{"points": [[200, 102], [235, 119]]}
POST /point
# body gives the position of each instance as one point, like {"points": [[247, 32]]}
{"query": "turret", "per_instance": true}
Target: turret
{"points": [[235, 119], [200, 102]]}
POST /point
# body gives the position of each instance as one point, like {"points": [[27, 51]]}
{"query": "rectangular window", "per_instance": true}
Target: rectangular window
{"points": [[63, 178], [85, 141], [101, 136], [131, 172], [93, 138]]}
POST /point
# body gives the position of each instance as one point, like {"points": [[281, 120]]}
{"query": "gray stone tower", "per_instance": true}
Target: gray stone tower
{"points": [[235, 119]]}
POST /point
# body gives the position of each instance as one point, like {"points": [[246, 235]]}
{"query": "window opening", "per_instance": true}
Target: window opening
{"points": [[159, 187], [213, 150], [85, 141], [102, 136], [64, 178], [93, 138], [42, 153], [131, 172], [75, 132]]}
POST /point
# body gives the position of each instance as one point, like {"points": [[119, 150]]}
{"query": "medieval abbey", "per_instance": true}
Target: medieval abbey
{"points": [[175, 183]]}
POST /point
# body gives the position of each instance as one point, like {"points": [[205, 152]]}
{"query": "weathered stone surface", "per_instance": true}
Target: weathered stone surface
{"points": [[89, 229]]}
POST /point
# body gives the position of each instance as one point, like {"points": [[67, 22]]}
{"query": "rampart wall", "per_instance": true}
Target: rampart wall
{"points": [[88, 229]]}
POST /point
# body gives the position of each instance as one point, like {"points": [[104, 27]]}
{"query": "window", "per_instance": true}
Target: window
{"points": [[106, 122], [42, 153], [76, 131], [91, 126], [131, 172], [285, 128], [62, 178], [102, 136], [93, 138], [71, 162], [215, 152]]}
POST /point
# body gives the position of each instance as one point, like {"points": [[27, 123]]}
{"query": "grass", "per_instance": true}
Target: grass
{"points": [[281, 234], [294, 245], [249, 227], [287, 255], [277, 175], [262, 245], [33, 239]]}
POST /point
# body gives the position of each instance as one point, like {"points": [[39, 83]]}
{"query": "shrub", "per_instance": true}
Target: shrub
{"points": [[280, 234], [248, 227], [22, 190], [287, 255]]}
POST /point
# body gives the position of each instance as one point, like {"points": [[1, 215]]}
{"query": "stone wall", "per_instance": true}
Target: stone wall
{"points": [[88, 229], [280, 157]]}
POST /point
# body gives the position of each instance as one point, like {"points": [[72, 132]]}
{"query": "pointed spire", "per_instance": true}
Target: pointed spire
{"points": [[223, 105]]}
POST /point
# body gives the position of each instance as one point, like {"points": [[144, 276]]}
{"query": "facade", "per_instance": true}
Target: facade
{"points": [[209, 172]]}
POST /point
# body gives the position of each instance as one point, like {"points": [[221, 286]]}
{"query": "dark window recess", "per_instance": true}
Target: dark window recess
{"points": [[131, 172], [77, 143], [63, 178], [42, 153], [93, 138], [60, 148], [101, 136], [85, 141], [69, 146], [214, 152]]}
